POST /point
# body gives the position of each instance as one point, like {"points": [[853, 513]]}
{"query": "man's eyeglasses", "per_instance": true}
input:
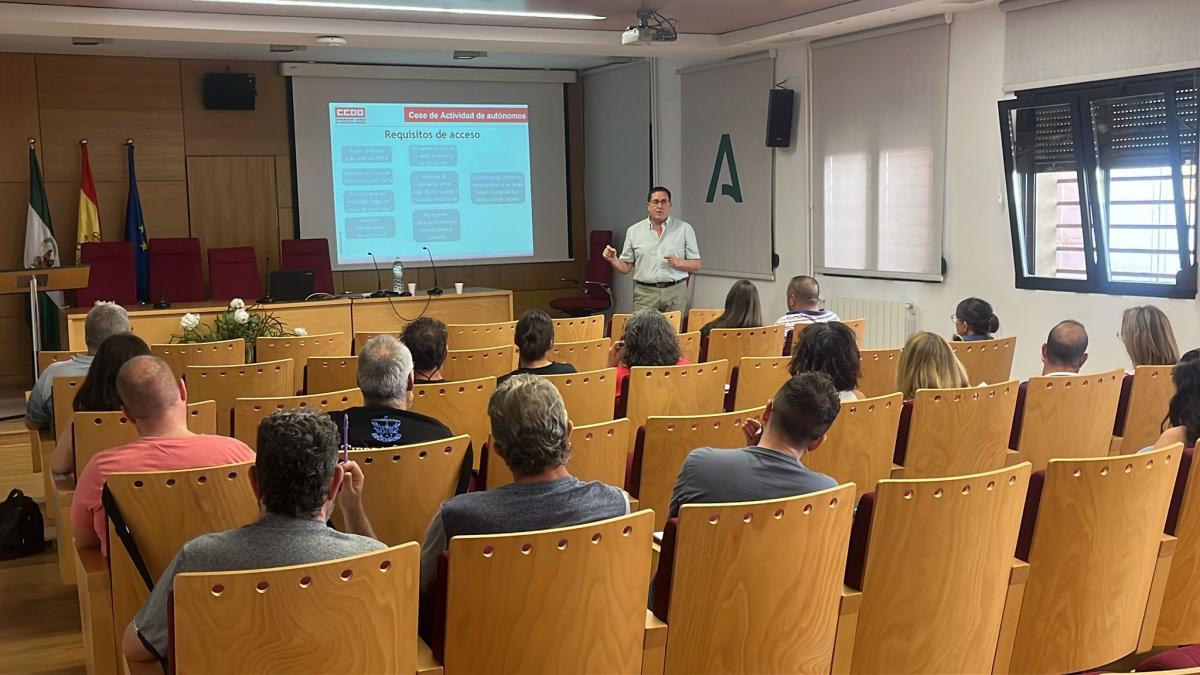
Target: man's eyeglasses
{"points": [[660, 202]]}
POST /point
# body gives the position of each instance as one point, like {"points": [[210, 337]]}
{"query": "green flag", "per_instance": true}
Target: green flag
{"points": [[41, 250]]}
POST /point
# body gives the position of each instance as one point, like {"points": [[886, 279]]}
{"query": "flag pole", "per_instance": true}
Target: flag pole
{"points": [[35, 319]]}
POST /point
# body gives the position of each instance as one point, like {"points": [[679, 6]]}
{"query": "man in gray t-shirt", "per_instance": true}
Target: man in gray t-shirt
{"points": [[794, 423], [297, 478]]}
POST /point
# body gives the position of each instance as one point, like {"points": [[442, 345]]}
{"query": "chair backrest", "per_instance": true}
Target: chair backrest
{"points": [[226, 384], [578, 329], [783, 559], [354, 615], [1066, 416], [698, 389], [859, 446], [62, 399], [731, 344], [956, 535], [689, 345], [176, 271], [584, 355], [98, 431], [309, 254], [758, 380], [618, 323], [667, 441], [1095, 547], [330, 373], [480, 335], [955, 432], [112, 276], [589, 586], [412, 482], [468, 364], [598, 269], [598, 452], [362, 337], [697, 318], [1179, 620], [590, 397], [249, 412], [462, 406], [180, 356], [859, 328], [233, 273], [45, 358], [879, 370], [987, 361], [299, 349], [1147, 408]]}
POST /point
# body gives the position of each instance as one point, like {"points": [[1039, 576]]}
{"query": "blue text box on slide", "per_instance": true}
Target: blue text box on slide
{"points": [[497, 187], [434, 187], [433, 155], [367, 176], [369, 201], [371, 227], [436, 225], [366, 153]]}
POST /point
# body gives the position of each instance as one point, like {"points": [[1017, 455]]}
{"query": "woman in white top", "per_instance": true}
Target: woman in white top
{"points": [[830, 348]]}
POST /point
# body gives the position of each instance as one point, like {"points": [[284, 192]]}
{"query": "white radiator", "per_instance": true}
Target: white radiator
{"points": [[889, 323]]}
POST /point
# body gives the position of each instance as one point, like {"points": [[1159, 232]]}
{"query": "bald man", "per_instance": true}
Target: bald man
{"points": [[156, 402], [1065, 350], [804, 303]]}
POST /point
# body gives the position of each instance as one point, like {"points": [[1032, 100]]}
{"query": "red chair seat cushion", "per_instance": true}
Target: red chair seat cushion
{"points": [[576, 304], [1175, 659]]}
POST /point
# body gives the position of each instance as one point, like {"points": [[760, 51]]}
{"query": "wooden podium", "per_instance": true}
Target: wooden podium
{"points": [[33, 281]]}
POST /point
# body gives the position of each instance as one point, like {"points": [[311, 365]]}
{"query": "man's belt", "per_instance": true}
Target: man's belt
{"points": [[660, 284]]}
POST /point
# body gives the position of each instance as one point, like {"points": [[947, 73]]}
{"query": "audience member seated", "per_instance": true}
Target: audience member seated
{"points": [[426, 339], [156, 402], [742, 309], [531, 433], [103, 320], [830, 348], [772, 467], [296, 477], [974, 320], [1149, 341], [97, 393], [927, 362], [534, 338], [804, 303], [649, 340], [1064, 354], [385, 376], [1183, 414]]}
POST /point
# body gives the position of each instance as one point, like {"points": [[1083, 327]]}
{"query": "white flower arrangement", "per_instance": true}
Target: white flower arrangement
{"points": [[189, 321], [241, 316], [236, 304], [237, 321], [299, 331]]}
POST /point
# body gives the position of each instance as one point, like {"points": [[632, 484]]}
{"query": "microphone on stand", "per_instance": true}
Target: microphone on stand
{"points": [[266, 300], [435, 290], [379, 292]]}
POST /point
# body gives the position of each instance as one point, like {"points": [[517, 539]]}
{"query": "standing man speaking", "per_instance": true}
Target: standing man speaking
{"points": [[661, 251]]}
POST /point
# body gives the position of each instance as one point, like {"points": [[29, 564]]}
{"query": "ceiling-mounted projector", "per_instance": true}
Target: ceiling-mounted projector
{"points": [[651, 27]]}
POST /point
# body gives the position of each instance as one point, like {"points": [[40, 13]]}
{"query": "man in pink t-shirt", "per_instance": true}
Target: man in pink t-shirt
{"points": [[156, 402]]}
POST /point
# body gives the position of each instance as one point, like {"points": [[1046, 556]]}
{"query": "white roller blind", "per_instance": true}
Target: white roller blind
{"points": [[878, 143]]}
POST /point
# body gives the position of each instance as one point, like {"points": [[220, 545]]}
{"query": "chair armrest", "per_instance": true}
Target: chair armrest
{"points": [[1018, 574], [426, 664], [1158, 590], [847, 627], [654, 645]]}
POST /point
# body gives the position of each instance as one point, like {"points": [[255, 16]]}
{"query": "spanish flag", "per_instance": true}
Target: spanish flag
{"points": [[89, 214]]}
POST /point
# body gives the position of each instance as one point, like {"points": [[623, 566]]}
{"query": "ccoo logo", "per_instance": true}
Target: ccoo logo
{"points": [[346, 113]]}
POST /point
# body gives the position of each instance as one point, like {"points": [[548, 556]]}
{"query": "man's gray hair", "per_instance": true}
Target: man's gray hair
{"points": [[529, 425], [103, 321], [384, 367]]}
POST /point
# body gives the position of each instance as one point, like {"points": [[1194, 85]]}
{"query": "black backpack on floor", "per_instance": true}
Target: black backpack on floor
{"points": [[21, 528]]}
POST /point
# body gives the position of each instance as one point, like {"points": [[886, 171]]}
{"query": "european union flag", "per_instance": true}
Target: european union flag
{"points": [[135, 231]]}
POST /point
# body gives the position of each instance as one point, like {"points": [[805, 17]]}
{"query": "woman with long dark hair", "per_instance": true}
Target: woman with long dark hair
{"points": [[1183, 414], [830, 348], [974, 320], [742, 309]]}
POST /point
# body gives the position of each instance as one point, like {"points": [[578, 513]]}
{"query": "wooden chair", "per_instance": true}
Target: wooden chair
{"points": [[331, 373], [697, 389], [956, 535], [667, 441], [1179, 622], [1098, 562], [698, 318], [1064, 417], [860, 443], [879, 370], [580, 578], [354, 615], [45, 358], [362, 337], [955, 432], [472, 363], [480, 335], [859, 327], [618, 323], [180, 356], [689, 345], [584, 355], [411, 483], [226, 384], [462, 406], [590, 396], [987, 361], [579, 329], [759, 379], [249, 412], [782, 560], [1147, 408], [731, 344], [299, 349], [598, 452], [62, 399]]}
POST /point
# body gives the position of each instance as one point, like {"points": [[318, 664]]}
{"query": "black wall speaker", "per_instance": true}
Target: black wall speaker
{"points": [[779, 118], [229, 91]]}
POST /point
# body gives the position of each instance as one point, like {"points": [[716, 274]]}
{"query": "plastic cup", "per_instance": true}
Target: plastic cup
{"points": [[458, 287], [412, 289]]}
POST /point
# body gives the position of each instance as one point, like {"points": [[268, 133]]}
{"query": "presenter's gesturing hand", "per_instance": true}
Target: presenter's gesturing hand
{"points": [[610, 254]]}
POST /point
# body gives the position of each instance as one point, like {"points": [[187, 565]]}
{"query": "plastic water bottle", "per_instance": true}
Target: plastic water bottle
{"points": [[397, 276]]}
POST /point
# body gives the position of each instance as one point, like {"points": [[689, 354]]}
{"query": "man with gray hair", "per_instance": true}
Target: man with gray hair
{"points": [[103, 320], [385, 376]]}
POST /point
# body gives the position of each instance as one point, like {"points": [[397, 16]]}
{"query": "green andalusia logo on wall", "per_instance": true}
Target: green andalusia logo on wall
{"points": [[733, 188]]}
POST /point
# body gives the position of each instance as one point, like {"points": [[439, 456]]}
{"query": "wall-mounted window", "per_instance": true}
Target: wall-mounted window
{"points": [[1102, 186]]}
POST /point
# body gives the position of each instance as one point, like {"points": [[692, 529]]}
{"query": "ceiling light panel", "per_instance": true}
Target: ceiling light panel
{"points": [[390, 7]]}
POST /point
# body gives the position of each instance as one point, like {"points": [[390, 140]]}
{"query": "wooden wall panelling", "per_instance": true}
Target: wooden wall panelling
{"points": [[15, 360], [164, 206], [262, 131], [283, 180], [232, 202], [18, 119]]}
